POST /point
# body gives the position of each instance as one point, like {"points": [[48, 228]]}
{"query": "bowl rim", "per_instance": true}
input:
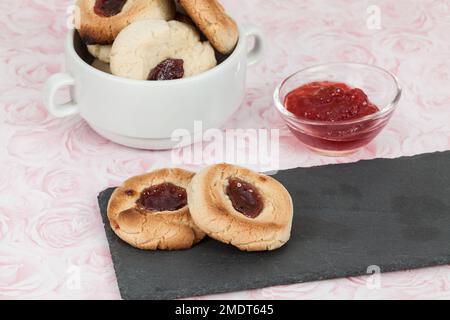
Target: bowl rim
{"points": [[70, 50], [390, 107]]}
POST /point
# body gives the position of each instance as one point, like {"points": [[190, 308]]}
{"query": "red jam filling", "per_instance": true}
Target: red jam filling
{"points": [[163, 197], [333, 103], [109, 8], [329, 101], [169, 69], [245, 198]]}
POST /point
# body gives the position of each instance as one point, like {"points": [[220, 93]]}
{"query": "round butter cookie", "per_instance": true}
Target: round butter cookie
{"points": [[211, 18], [150, 212], [144, 45], [100, 21], [237, 206]]}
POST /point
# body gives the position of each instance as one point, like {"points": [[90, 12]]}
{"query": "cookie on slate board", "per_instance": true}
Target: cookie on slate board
{"points": [[143, 45], [150, 212], [237, 206], [211, 18], [100, 21]]}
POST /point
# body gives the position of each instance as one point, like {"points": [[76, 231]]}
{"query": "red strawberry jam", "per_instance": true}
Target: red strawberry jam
{"points": [[163, 197], [169, 69], [245, 198], [338, 107], [329, 101], [109, 8]]}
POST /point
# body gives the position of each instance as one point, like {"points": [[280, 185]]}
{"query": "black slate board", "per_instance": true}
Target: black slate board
{"points": [[390, 213]]}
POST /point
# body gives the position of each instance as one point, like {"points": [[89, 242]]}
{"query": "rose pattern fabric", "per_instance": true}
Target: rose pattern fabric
{"points": [[52, 243]]}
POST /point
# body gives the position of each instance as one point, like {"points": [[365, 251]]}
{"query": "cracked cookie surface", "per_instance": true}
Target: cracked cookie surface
{"points": [[150, 229], [215, 213]]}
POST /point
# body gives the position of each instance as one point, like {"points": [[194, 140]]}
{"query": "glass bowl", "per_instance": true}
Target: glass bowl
{"points": [[343, 137]]}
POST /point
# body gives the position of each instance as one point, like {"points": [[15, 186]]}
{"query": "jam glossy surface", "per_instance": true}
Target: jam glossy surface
{"points": [[329, 101], [109, 8], [333, 104], [163, 197], [169, 69], [245, 198]]}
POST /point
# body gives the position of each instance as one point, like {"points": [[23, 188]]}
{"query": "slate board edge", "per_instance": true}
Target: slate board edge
{"points": [[402, 158], [168, 295], [274, 282]]}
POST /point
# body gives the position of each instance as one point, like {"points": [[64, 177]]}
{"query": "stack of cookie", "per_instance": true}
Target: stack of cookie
{"points": [[173, 209], [156, 39]]}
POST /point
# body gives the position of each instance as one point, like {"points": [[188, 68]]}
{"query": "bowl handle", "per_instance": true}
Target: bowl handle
{"points": [[255, 55], [53, 84]]}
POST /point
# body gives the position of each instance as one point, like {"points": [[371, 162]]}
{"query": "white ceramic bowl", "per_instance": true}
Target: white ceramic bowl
{"points": [[145, 114]]}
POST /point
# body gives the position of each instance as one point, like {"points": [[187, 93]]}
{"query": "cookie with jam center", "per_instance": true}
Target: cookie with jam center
{"points": [[151, 212], [100, 21], [237, 206], [144, 45]]}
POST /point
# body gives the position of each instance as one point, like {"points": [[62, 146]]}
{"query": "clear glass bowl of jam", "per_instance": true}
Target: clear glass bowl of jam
{"points": [[335, 109]]}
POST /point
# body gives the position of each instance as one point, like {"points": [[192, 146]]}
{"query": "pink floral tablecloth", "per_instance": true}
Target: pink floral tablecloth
{"points": [[52, 242]]}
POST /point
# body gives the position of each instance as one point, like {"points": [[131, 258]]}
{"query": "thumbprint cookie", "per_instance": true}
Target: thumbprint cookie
{"points": [[100, 21], [150, 212], [160, 50], [237, 206]]}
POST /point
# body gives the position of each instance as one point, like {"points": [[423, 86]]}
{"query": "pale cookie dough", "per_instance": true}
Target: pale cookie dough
{"points": [[214, 212], [102, 53], [152, 230], [140, 47], [96, 29], [211, 18]]}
